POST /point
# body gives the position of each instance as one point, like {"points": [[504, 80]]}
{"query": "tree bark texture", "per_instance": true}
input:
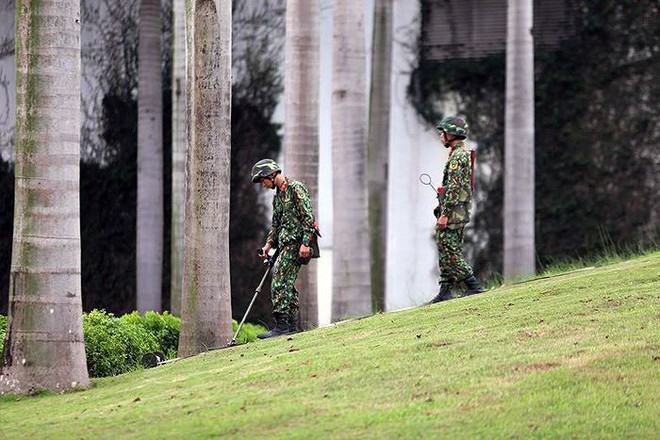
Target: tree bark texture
{"points": [[301, 135], [378, 147], [351, 294], [44, 346], [206, 296], [519, 255], [150, 215], [178, 153]]}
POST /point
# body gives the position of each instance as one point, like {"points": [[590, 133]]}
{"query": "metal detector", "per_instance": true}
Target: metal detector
{"points": [[426, 180], [150, 360], [270, 261]]}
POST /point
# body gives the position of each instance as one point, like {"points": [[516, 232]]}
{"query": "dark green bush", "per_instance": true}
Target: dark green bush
{"points": [[163, 327], [114, 346], [248, 332]]}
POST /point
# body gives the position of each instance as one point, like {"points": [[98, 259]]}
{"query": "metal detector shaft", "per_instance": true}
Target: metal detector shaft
{"points": [[256, 292], [150, 360]]}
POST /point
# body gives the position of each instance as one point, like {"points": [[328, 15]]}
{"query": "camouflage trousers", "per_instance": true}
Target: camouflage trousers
{"points": [[453, 267], [283, 291]]}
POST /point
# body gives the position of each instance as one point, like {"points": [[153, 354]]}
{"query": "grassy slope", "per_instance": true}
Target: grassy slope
{"points": [[572, 356]]}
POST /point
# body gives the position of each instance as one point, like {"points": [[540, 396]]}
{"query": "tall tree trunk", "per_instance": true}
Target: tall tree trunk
{"points": [[351, 280], [301, 139], [178, 153], [378, 147], [150, 160], [44, 346], [206, 296], [519, 256], [7, 79]]}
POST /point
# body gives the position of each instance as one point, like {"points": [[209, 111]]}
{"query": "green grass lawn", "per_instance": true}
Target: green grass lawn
{"points": [[570, 356]]}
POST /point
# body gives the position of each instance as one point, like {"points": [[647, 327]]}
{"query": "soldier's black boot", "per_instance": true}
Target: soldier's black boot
{"points": [[281, 327], [444, 294], [293, 323], [473, 286]]}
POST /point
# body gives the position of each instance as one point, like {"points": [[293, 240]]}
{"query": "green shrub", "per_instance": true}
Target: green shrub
{"points": [[248, 332], [114, 346], [163, 327]]}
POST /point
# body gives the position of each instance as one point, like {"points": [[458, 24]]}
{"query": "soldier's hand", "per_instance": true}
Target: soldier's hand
{"points": [[304, 251], [264, 251], [441, 223]]}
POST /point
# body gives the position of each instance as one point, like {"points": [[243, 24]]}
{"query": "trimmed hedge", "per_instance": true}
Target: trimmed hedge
{"points": [[163, 327], [116, 345]]}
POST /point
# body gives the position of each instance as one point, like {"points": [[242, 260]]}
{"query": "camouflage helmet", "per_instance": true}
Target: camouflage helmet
{"points": [[264, 168], [454, 125]]}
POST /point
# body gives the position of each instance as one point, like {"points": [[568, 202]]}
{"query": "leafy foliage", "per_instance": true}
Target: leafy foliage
{"points": [[248, 332], [596, 133], [114, 346], [164, 328]]}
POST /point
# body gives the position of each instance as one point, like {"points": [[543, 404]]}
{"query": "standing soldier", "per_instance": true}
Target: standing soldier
{"points": [[453, 212], [292, 229]]}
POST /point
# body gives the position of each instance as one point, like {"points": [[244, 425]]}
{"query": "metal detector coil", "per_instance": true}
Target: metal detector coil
{"points": [[156, 358], [426, 180], [150, 360], [270, 262]]}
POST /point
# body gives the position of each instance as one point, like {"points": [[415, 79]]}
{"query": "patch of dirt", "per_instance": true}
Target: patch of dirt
{"points": [[438, 344], [536, 367], [548, 292], [582, 359]]}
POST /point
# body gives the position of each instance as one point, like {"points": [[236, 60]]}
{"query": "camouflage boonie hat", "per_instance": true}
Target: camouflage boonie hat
{"points": [[264, 168], [454, 125]]}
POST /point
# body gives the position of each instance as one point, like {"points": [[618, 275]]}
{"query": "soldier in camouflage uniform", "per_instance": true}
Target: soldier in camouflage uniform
{"points": [[453, 211], [292, 227]]}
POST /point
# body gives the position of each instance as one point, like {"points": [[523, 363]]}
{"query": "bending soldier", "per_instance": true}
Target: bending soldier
{"points": [[290, 232]]}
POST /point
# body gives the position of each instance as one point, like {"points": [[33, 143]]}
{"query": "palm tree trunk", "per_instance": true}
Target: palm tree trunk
{"points": [[351, 266], [519, 257], [44, 346], [206, 296], [7, 80], [378, 147], [301, 139], [178, 153], [150, 160]]}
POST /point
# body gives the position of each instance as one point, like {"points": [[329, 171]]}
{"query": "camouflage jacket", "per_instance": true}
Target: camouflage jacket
{"points": [[293, 215], [457, 189]]}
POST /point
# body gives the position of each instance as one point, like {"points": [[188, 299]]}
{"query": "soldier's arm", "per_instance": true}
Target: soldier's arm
{"points": [[305, 211], [271, 238], [458, 170]]}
